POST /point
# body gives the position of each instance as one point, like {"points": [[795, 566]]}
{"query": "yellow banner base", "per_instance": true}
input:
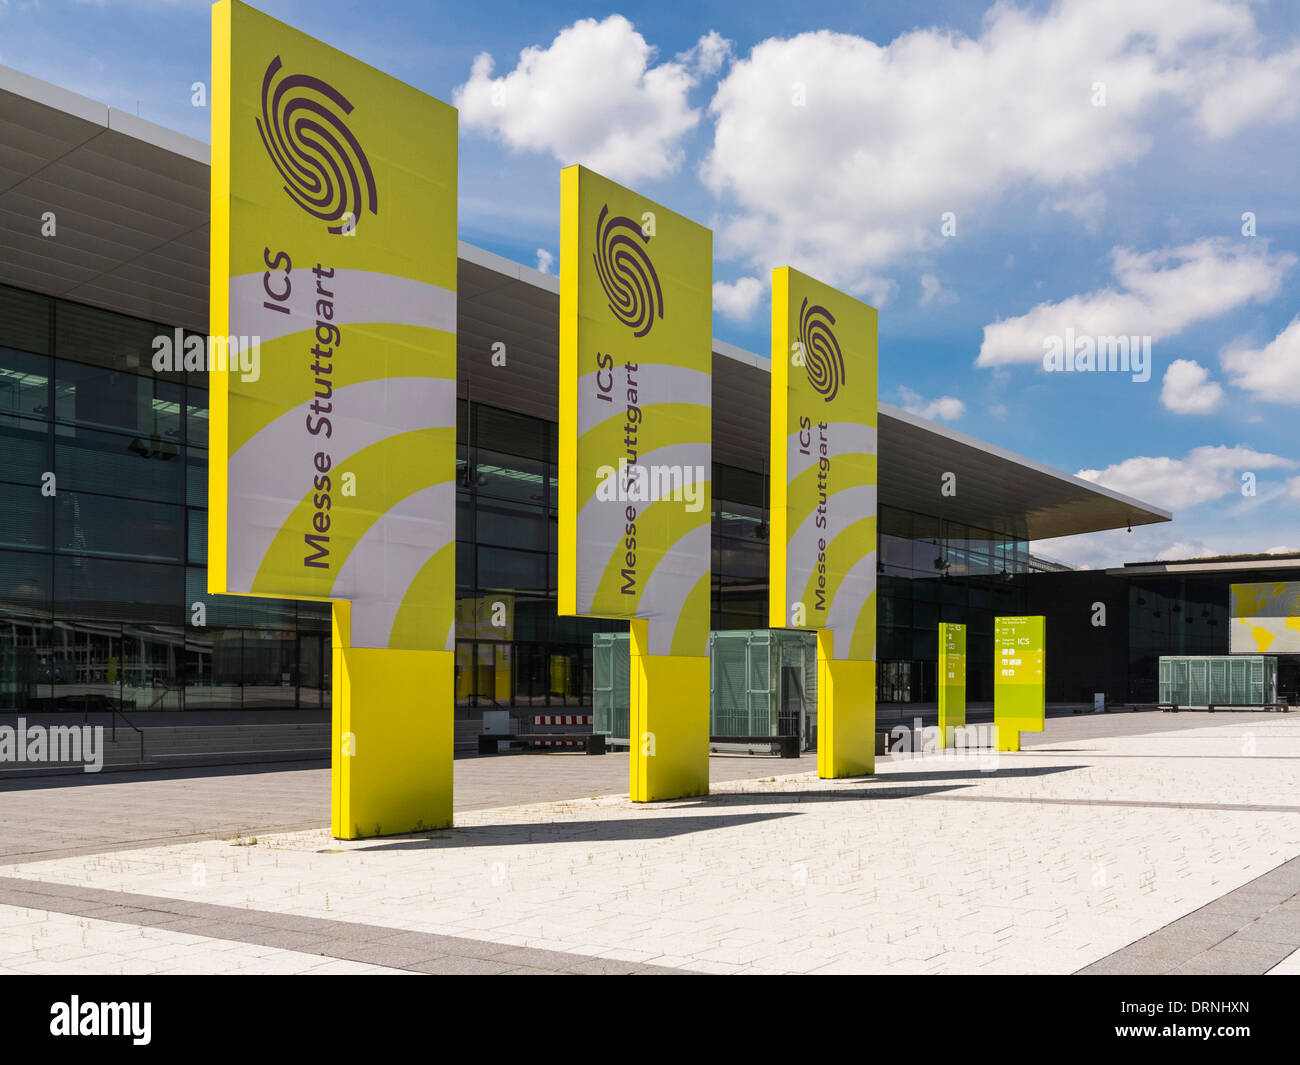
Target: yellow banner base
{"points": [[669, 757], [1007, 729], [392, 740], [949, 722], [846, 714]]}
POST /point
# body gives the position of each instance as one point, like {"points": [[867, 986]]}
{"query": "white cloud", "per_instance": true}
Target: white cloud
{"points": [[945, 408], [738, 299], [1187, 388], [1165, 542], [1157, 294], [1242, 90], [1293, 488], [591, 97], [932, 291], [708, 55], [826, 135], [1087, 207], [545, 260], [1204, 474], [1271, 373]]}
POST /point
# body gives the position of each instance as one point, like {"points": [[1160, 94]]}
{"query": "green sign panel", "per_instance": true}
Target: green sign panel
{"points": [[952, 679], [1019, 664]]}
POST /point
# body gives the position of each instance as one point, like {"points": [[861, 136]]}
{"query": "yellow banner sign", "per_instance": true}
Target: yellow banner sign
{"points": [[1265, 617], [332, 364], [636, 359], [823, 476]]}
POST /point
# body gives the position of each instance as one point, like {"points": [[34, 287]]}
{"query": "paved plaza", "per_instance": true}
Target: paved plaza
{"points": [[1133, 843]]}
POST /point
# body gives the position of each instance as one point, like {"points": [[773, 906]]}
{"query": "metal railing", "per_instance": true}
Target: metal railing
{"points": [[114, 713]]}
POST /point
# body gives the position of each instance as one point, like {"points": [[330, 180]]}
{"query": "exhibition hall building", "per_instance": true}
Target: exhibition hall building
{"points": [[104, 243]]}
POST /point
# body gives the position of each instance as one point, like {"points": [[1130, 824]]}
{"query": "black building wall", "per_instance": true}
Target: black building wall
{"points": [[1083, 658]]}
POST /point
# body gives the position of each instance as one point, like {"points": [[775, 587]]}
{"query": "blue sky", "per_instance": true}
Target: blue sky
{"points": [[1097, 157]]}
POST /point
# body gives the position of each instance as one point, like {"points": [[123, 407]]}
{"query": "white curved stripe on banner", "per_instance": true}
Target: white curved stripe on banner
{"points": [[601, 523], [271, 473], [843, 509], [357, 296], [669, 585], [379, 570], [850, 598], [656, 383], [844, 438]]}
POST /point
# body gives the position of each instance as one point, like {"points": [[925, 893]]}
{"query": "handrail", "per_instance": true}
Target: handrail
{"points": [[115, 713]]}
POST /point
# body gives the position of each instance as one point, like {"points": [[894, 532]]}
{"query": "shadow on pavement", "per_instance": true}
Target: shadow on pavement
{"points": [[614, 830], [1004, 773]]}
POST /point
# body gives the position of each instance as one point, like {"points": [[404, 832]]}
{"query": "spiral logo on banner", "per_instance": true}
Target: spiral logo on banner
{"points": [[626, 273], [823, 361], [325, 170]]}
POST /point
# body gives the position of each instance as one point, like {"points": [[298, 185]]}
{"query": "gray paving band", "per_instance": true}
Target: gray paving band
{"points": [[950, 793], [1245, 932], [420, 952]]}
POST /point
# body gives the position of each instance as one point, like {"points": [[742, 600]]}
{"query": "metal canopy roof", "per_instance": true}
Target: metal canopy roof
{"points": [[131, 205]]}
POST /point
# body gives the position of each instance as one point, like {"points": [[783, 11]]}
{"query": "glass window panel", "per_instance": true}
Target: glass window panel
{"points": [[196, 550], [894, 644], [315, 617], [196, 477], [26, 517], [894, 522], [102, 338], [196, 417], [741, 558], [212, 669], [464, 673], [745, 488], [24, 450], [508, 432], [511, 570], [119, 528], [25, 679], [24, 320], [91, 395], [511, 524], [465, 566], [112, 590], [87, 460], [925, 645], [895, 611], [503, 476], [739, 520], [85, 665], [25, 582], [896, 552], [270, 667], [153, 662], [24, 383], [237, 611], [464, 513]]}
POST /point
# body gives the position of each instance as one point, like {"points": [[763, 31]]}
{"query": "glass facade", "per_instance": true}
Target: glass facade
{"points": [[103, 533], [103, 550], [1147, 616]]}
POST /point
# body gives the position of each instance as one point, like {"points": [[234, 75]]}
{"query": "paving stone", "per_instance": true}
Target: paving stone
{"points": [[1139, 851]]}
